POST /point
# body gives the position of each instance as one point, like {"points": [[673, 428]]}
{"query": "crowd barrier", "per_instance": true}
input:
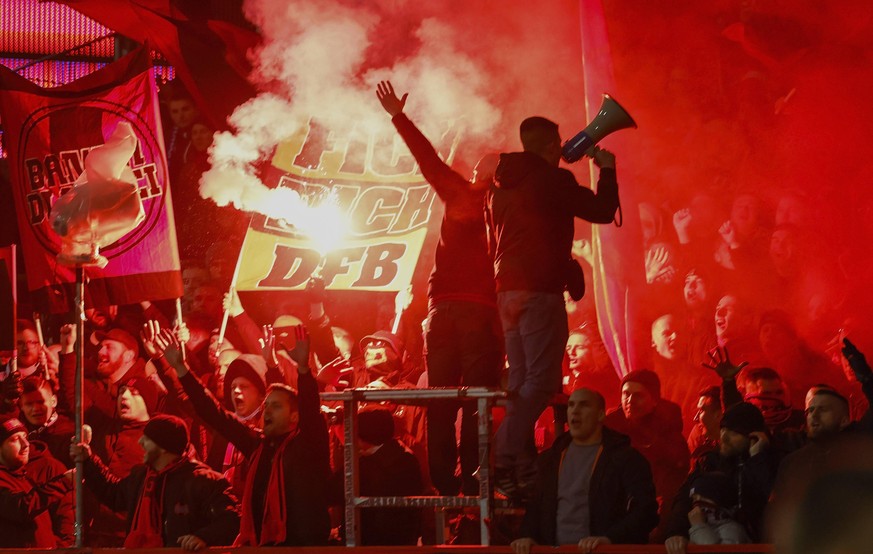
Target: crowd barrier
{"points": [[605, 549]]}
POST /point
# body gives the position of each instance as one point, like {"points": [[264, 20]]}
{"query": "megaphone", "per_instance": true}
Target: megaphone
{"points": [[611, 118]]}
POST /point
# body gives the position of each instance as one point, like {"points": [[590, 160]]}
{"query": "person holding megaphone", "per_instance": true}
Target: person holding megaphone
{"points": [[530, 213]]}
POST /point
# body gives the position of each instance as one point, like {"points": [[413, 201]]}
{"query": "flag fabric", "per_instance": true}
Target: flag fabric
{"points": [[390, 211], [209, 55], [7, 299], [48, 133], [618, 264]]}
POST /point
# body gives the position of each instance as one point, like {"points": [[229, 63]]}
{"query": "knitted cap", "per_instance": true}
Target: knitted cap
{"points": [[9, 426], [250, 366], [743, 418], [169, 432], [647, 378], [143, 386]]}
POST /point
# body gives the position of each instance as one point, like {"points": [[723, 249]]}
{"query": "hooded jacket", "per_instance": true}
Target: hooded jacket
{"points": [[42, 467], [55, 434], [621, 498], [530, 214], [25, 518]]}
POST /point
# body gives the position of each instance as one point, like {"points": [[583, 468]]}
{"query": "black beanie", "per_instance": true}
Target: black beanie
{"points": [[375, 425], [743, 418], [169, 432]]}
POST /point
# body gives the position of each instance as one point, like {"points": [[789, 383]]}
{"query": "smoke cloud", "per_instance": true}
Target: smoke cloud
{"points": [[733, 99], [476, 65]]}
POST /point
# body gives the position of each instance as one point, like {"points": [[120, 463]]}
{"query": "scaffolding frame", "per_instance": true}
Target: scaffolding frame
{"points": [[485, 399]]}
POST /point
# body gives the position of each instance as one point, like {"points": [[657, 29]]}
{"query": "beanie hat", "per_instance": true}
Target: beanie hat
{"points": [[169, 432], [647, 378], [250, 366], [375, 425], [9, 426], [743, 418], [716, 486], [143, 386]]}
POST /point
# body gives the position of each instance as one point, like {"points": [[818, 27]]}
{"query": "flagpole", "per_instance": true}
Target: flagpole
{"points": [[80, 412], [179, 322], [232, 289], [38, 324], [401, 302]]}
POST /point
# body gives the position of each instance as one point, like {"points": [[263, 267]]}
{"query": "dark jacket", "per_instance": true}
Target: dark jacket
{"points": [[463, 269], [25, 519], [530, 213], [41, 468], [390, 471], [658, 437], [621, 498], [196, 500], [753, 477], [306, 459]]}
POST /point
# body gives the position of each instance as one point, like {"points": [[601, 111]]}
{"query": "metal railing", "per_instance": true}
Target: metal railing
{"points": [[350, 398]]}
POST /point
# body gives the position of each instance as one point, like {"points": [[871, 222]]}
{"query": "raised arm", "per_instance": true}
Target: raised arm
{"points": [[93, 397], [312, 424], [721, 364], [110, 490], [445, 180], [205, 404]]}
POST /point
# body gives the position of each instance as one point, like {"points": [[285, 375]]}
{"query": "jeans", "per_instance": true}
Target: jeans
{"points": [[535, 332]]}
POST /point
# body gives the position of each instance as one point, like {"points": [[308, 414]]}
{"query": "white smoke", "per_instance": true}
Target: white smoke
{"points": [[313, 64]]}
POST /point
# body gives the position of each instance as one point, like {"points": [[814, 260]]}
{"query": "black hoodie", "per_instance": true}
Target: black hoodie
{"points": [[531, 209]]}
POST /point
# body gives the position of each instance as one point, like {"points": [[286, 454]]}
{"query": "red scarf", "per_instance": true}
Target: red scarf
{"points": [[273, 525], [146, 530]]}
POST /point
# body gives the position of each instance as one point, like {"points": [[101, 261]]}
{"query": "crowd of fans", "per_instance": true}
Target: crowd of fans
{"points": [[196, 439]]}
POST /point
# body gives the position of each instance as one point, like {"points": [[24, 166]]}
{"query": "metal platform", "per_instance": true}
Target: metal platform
{"points": [[485, 399]]}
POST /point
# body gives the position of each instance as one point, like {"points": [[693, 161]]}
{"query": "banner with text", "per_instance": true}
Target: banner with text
{"points": [[388, 209], [48, 134]]}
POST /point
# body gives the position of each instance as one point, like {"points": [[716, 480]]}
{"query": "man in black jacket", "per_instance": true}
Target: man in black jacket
{"points": [[530, 211], [593, 487], [285, 502], [171, 500], [462, 336], [745, 456]]}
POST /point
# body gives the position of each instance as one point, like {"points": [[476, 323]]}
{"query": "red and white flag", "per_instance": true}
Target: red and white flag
{"points": [[48, 134]]}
